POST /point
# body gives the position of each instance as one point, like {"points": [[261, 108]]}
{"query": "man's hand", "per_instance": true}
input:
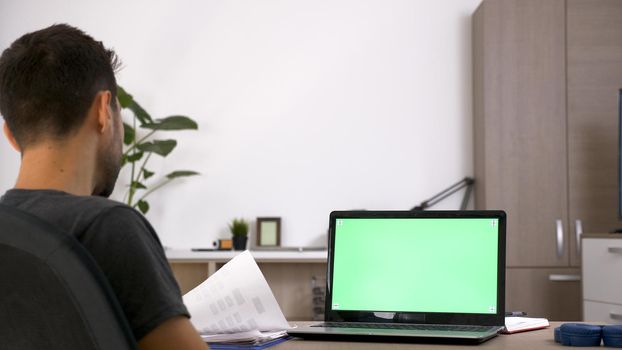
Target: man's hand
{"points": [[175, 333]]}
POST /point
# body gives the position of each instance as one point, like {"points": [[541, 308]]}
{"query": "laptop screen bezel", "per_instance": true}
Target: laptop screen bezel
{"points": [[497, 319]]}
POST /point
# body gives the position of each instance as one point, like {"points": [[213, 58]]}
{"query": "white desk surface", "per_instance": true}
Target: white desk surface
{"points": [[188, 256]]}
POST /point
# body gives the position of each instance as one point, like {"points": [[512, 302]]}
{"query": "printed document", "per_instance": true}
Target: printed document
{"points": [[236, 300]]}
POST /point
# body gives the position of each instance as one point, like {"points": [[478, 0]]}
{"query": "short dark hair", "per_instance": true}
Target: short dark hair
{"points": [[48, 80]]}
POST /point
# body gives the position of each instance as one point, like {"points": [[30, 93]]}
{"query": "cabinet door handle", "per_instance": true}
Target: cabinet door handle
{"points": [[615, 250], [578, 227], [560, 238], [564, 278], [615, 316]]}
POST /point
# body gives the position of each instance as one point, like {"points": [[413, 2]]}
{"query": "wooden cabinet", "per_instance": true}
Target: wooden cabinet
{"points": [[544, 292], [520, 125], [594, 46], [546, 77]]}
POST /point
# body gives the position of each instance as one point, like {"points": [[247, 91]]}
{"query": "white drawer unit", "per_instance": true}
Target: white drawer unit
{"points": [[602, 278], [594, 311]]}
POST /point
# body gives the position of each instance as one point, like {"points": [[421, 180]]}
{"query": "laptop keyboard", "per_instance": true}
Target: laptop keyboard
{"points": [[423, 327]]}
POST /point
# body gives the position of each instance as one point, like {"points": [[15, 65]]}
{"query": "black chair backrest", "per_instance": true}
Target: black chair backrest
{"points": [[52, 293]]}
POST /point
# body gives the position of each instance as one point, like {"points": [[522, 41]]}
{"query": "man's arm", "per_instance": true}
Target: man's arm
{"points": [[175, 333], [129, 253]]}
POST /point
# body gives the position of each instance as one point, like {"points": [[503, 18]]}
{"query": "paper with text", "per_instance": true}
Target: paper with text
{"points": [[235, 299], [250, 336]]}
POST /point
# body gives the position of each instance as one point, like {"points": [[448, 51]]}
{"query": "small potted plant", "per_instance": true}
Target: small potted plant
{"points": [[239, 230]]}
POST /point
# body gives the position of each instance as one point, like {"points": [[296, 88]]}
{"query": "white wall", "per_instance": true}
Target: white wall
{"points": [[303, 106]]}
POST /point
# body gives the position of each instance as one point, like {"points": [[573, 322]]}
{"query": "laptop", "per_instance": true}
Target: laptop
{"points": [[426, 276]]}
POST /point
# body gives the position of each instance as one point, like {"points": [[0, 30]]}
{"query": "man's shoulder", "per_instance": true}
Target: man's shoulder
{"points": [[71, 213], [92, 207], [94, 203], [89, 210]]}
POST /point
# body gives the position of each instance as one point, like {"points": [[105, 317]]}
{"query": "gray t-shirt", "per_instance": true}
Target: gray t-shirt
{"points": [[123, 244]]}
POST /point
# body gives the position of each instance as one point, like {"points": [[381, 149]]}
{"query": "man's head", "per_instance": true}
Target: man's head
{"points": [[51, 82]]}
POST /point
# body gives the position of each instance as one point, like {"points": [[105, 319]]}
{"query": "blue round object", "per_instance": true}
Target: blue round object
{"points": [[612, 336], [557, 335], [579, 334]]}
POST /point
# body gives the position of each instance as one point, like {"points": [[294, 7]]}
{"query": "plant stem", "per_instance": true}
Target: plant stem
{"points": [[140, 172], [166, 182], [136, 143], [142, 167]]}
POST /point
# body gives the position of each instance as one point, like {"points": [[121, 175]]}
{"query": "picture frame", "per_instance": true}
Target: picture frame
{"points": [[268, 232]]}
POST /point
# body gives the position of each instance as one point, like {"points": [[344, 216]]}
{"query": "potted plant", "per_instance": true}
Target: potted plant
{"points": [[139, 147], [239, 230]]}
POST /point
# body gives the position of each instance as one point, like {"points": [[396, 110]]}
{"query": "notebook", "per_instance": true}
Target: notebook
{"points": [[413, 275], [523, 324]]}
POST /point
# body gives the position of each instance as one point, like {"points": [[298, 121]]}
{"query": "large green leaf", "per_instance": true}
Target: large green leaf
{"points": [[175, 122], [143, 206], [125, 99], [134, 157], [147, 174], [137, 185], [142, 115], [128, 134], [181, 173], [161, 147]]}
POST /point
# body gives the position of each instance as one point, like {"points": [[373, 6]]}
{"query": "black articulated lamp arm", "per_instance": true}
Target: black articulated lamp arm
{"points": [[466, 182]]}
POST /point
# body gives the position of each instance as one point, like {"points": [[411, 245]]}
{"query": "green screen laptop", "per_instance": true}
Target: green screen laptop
{"points": [[414, 275]]}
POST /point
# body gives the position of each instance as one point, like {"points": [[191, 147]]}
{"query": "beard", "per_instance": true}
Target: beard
{"points": [[109, 158], [109, 163]]}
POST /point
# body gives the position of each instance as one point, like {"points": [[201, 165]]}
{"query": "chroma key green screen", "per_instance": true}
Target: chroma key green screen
{"points": [[416, 265]]}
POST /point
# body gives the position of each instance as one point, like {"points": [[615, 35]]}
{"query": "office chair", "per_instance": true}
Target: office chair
{"points": [[52, 293]]}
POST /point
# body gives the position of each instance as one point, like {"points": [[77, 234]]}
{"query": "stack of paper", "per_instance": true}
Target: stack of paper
{"points": [[255, 341], [250, 336], [522, 324], [236, 304]]}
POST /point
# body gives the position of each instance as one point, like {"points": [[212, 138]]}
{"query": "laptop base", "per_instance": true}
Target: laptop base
{"points": [[345, 335]]}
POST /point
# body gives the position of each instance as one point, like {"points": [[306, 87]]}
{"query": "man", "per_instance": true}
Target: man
{"points": [[58, 100]]}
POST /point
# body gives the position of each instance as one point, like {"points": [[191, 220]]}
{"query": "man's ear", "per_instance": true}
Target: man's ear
{"points": [[11, 138], [103, 110]]}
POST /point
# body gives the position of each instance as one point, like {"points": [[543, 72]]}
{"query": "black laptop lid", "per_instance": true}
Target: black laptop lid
{"points": [[434, 267]]}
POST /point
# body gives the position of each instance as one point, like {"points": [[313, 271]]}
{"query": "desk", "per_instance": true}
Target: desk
{"points": [[539, 339], [288, 273]]}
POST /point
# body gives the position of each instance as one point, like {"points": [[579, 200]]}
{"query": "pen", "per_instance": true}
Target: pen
{"points": [[515, 313]]}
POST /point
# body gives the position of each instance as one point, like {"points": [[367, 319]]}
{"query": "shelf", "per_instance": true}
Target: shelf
{"points": [[188, 256]]}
